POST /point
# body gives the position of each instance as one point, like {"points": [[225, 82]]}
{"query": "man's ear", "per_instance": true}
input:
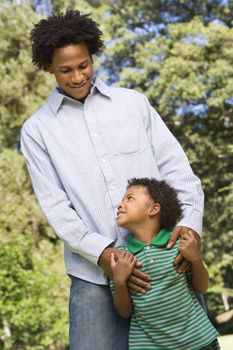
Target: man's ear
{"points": [[49, 69], [155, 209]]}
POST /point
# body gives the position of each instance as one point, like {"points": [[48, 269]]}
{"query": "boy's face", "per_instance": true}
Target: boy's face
{"points": [[135, 208], [72, 67]]}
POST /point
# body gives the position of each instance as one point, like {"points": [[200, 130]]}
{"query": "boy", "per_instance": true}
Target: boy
{"points": [[168, 316]]}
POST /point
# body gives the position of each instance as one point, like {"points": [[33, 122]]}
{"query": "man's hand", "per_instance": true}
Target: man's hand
{"points": [[138, 282], [181, 263]]}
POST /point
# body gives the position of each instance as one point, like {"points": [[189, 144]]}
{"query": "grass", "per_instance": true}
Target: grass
{"points": [[226, 342]]}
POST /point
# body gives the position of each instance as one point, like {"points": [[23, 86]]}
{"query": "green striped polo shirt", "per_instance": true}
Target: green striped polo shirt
{"points": [[169, 315]]}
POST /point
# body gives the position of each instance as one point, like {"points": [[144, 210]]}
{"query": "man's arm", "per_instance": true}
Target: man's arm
{"points": [[55, 203], [173, 167]]}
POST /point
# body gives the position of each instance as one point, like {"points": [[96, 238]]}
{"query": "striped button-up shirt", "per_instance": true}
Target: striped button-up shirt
{"points": [[79, 157]]}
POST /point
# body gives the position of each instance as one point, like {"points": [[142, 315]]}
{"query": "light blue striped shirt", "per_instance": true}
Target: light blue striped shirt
{"points": [[79, 157]]}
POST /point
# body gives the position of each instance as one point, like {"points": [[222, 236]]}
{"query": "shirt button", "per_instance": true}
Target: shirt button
{"points": [[147, 247], [151, 261]]}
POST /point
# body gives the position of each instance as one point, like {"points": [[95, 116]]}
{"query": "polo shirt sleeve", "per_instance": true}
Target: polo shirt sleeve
{"points": [[174, 167], [54, 202]]}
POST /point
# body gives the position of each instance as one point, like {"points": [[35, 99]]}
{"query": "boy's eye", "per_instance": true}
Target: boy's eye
{"points": [[130, 197]]}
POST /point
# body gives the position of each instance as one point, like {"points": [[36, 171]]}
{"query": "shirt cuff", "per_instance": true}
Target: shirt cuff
{"points": [[192, 220], [92, 247]]}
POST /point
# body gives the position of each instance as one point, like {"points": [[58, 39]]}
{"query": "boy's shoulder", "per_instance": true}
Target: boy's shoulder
{"points": [[123, 247]]}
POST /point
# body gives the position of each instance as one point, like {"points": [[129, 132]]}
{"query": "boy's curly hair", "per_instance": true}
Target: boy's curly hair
{"points": [[62, 30], [162, 193]]}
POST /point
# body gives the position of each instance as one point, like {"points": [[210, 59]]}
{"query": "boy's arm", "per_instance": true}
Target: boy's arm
{"points": [[200, 276], [188, 247], [121, 270]]}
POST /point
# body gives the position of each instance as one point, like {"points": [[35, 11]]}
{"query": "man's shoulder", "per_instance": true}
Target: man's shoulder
{"points": [[41, 113], [115, 90], [123, 91]]}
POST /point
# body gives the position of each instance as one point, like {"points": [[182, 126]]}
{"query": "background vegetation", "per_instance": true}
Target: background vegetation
{"points": [[180, 54]]}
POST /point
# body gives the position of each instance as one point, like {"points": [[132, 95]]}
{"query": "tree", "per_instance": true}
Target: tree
{"points": [[22, 88], [184, 65], [33, 300]]}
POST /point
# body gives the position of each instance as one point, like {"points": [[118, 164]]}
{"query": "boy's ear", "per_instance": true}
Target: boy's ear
{"points": [[155, 209]]}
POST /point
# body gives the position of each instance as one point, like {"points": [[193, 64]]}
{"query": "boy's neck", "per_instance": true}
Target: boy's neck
{"points": [[146, 235]]}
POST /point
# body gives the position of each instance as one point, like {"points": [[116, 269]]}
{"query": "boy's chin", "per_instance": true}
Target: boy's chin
{"points": [[125, 226], [121, 224]]}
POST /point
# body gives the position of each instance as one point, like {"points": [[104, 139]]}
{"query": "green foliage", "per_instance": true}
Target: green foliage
{"points": [[179, 66], [22, 88], [186, 71], [33, 301]]}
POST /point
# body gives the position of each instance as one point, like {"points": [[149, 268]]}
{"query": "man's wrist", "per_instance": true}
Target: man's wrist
{"points": [[105, 255]]}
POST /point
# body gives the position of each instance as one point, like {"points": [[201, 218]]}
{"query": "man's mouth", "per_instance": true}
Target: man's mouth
{"points": [[77, 86]]}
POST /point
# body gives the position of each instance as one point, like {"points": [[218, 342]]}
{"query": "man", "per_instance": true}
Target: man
{"points": [[81, 146]]}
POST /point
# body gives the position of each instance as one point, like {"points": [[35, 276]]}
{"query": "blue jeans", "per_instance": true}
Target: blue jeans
{"points": [[94, 323]]}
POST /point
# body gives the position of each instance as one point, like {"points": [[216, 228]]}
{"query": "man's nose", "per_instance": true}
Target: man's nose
{"points": [[77, 77]]}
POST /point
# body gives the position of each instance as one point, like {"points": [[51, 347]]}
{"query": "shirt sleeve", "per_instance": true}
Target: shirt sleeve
{"points": [[174, 167], [54, 201]]}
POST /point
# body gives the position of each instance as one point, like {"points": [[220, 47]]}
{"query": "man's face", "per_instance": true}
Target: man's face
{"points": [[135, 208], [73, 69]]}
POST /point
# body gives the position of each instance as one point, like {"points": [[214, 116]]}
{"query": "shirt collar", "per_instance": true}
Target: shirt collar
{"points": [[102, 87], [56, 97], [160, 241]]}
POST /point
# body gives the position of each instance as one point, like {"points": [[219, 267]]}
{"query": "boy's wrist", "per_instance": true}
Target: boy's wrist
{"points": [[119, 283], [197, 260]]}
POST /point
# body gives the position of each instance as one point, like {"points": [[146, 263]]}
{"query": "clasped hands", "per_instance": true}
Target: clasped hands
{"points": [[139, 281]]}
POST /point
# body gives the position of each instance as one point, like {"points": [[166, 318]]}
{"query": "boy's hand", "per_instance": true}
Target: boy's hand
{"points": [[137, 282], [182, 264], [105, 259], [122, 267], [188, 247]]}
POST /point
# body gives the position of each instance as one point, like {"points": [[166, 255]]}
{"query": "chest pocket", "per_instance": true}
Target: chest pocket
{"points": [[124, 137]]}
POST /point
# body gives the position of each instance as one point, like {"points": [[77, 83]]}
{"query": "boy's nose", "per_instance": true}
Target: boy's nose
{"points": [[119, 206]]}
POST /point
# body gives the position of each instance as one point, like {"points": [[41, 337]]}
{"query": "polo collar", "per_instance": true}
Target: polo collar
{"points": [[159, 241]]}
